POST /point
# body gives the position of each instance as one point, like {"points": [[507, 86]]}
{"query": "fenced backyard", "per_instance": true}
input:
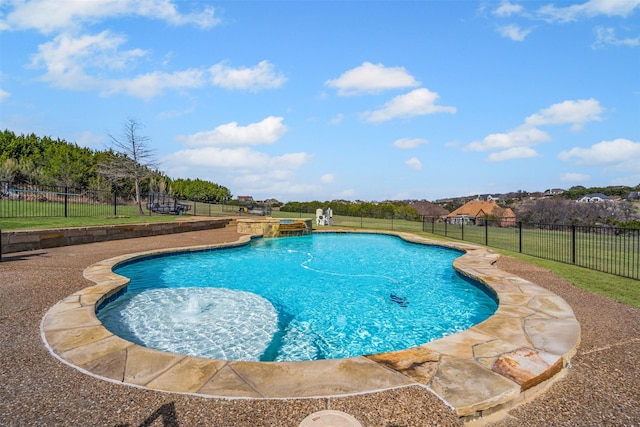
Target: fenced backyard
{"points": [[607, 249]]}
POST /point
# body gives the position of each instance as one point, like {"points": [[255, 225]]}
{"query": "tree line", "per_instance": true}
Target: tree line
{"points": [[42, 160], [385, 210]]}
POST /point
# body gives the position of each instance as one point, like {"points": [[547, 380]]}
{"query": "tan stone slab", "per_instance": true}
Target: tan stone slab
{"points": [[529, 288], [227, 383], [75, 318], [67, 339], [69, 303], [502, 286], [105, 287], [514, 299], [507, 310], [505, 328], [417, 363], [318, 378], [552, 305], [111, 366], [486, 353], [460, 344], [556, 336], [95, 350], [469, 387], [527, 367], [188, 375], [145, 364]]}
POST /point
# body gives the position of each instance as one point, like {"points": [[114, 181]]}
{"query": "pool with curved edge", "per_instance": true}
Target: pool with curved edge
{"points": [[484, 369], [323, 296]]}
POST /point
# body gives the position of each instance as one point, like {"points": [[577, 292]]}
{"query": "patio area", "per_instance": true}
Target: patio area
{"points": [[600, 386]]}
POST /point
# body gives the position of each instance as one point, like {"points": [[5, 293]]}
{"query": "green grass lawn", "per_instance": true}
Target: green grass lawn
{"points": [[46, 223], [621, 289], [618, 288]]}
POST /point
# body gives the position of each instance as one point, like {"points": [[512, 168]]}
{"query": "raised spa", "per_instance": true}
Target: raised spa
{"points": [[323, 296]]}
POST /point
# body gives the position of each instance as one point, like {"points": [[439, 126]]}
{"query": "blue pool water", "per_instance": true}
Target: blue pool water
{"points": [[322, 296]]}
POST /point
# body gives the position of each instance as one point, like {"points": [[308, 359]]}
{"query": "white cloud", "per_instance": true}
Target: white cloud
{"points": [[589, 9], [414, 163], [49, 16], [408, 143], [68, 61], [418, 102], [267, 131], [522, 136], [80, 63], [327, 178], [574, 177], [4, 95], [337, 119], [607, 37], [516, 143], [244, 170], [577, 113], [371, 78], [147, 86], [507, 8], [65, 58], [513, 153], [241, 160], [622, 154], [262, 76], [513, 32]]}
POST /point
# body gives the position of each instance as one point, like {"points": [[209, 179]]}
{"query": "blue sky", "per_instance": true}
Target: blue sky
{"points": [[322, 100]]}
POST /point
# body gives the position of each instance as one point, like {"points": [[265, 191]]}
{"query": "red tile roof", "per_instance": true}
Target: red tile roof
{"points": [[476, 208]]}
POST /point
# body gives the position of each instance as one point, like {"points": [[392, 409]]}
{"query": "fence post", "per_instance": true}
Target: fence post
{"points": [[66, 199], [462, 230], [445, 228], [520, 236], [433, 225], [486, 232], [115, 202], [0, 245], [573, 244]]}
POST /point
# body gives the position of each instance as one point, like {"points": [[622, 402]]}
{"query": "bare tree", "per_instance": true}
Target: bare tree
{"points": [[134, 160]]}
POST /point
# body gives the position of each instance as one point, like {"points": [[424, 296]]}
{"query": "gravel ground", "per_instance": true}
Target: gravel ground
{"points": [[601, 387]]}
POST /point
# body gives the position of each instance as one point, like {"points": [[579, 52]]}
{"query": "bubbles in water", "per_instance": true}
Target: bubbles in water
{"points": [[207, 322]]}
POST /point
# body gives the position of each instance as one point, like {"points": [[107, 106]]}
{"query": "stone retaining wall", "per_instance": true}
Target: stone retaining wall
{"points": [[28, 240], [272, 227]]}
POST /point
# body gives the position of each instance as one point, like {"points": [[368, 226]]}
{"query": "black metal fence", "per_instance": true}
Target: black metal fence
{"points": [[611, 250], [24, 200]]}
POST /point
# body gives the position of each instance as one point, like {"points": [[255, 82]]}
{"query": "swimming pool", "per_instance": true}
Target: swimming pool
{"points": [[305, 298]]}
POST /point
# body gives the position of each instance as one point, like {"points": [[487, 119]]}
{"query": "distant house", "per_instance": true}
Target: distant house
{"points": [[475, 211], [594, 198], [429, 210], [553, 192], [634, 195], [245, 199], [271, 202]]}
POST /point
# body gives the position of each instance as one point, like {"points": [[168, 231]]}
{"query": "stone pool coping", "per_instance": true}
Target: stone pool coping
{"points": [[487, 368]]}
